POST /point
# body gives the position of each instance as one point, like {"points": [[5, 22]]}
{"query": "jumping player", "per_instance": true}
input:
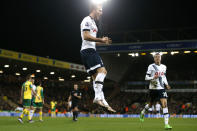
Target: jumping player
{"points": [[90, 58]]}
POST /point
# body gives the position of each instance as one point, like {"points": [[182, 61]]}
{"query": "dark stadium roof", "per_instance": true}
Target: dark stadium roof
{"points": [[52, 27]]}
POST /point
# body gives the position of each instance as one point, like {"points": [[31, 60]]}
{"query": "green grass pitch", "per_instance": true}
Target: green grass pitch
{"points": [[96, 124]]}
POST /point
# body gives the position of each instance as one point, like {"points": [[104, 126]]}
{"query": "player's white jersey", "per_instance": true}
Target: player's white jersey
{"points": [[19, 109], [161, 81], [88, 24], [34, 88], [158, 107], [151, 108]]}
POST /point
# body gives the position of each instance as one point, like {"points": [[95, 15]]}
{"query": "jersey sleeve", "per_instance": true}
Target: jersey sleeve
{"points": [[31, 86], [85, 25], [148, 73]]}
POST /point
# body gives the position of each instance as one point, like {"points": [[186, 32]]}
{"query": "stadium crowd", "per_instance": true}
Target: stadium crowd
{"points": [[123, 102]]}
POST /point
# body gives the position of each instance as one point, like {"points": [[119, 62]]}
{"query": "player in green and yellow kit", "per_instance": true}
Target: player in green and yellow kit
{"points": [[26, 96], [53, 108], [38, 103]]}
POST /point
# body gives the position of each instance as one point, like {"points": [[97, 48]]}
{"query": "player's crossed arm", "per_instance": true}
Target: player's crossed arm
{"points": [[79, 97], [99, 41], [34, 93]]}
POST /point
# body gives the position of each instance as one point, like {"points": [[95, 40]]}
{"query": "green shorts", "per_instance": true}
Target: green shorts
{"points": [[26, 102], [38, 104], [53, 110]]}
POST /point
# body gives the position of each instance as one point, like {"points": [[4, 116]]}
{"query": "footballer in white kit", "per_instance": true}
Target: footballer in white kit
{"points": [[90, 58], [156, 74]]}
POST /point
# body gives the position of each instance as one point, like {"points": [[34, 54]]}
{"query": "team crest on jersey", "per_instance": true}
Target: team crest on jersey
{"points": [[87, 24]]}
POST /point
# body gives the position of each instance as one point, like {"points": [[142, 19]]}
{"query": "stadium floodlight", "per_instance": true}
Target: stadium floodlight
{"points": [[164, 53], [136, 54], [161, 53], [17, 74], [153, 53], [6, 66], [187, 52], [61, 79], [132, 54], [46, 78], [1, 72], [87, 80], [37, 70], [174, 52], [98, 1], [24, 68], [52, 73], [73, 76]]}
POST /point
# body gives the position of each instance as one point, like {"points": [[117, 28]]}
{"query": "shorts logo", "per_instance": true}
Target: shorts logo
{"points": [[165, 94]]}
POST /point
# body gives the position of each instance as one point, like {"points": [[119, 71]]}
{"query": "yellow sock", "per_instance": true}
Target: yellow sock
{"points": [[40, 115], [28, 113], [23, 113], [21, 116]]}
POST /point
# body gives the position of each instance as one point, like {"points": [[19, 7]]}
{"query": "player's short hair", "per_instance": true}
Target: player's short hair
{"points": [[28, 77], [93, 7], [39, 82], [157, 54]]}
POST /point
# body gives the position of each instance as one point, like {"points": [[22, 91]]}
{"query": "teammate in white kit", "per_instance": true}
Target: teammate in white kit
{"points": [[90, 58], [151, 111], [156, 74], [158, 109]]}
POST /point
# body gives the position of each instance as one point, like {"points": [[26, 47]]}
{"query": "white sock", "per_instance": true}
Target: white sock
{"points": [[31, 113], [96, 91], [100, 77], [166, 115], [98, 86], [103, 99], [105, 102]]}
